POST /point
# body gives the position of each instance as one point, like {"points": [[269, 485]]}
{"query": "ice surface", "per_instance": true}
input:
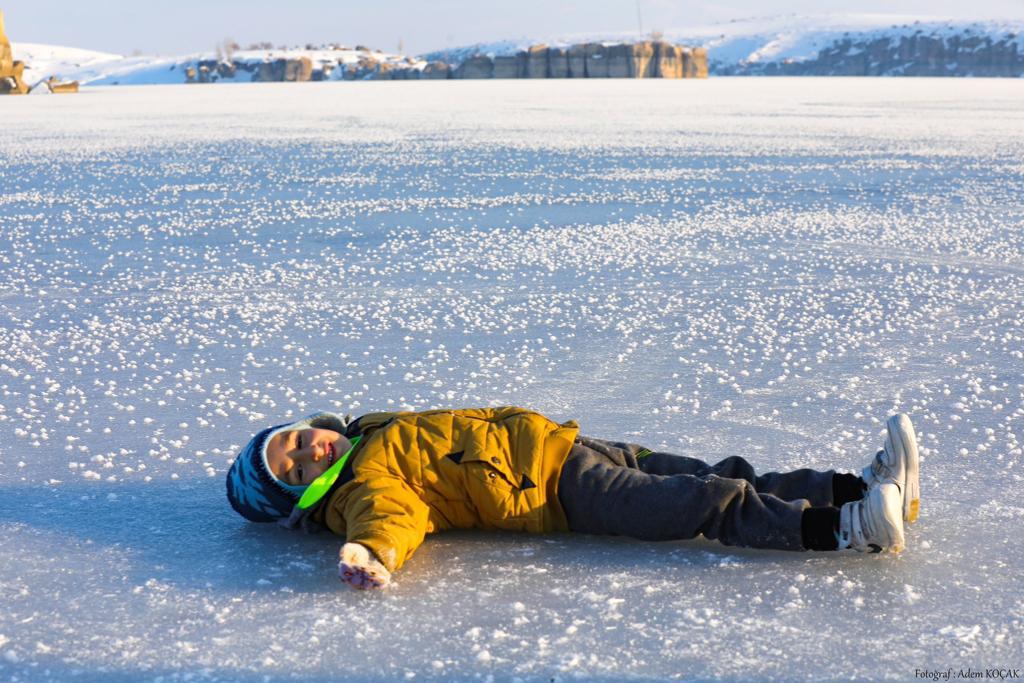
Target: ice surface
{"points": [[762, 267]]}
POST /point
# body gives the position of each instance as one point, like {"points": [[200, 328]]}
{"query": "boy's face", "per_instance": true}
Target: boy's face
{"points": [[299, 456]]}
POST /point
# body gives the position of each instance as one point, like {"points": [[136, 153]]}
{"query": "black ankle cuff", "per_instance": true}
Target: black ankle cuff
{"points": [[847, 488], [818, 527]]}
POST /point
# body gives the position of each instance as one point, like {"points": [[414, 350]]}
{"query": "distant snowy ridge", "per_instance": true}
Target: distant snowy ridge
{"points": [[43, 61], [101, 68], [861, 45], [854, 45]]}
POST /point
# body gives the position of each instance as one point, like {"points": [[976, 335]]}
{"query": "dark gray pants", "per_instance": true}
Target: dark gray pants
{"points": [[605, 489]]}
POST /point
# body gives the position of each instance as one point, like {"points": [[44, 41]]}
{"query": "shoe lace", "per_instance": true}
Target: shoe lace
{"points": [[878, 466]]}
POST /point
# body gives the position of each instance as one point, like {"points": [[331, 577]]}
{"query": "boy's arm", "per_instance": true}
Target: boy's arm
{"points": [[384, 515]]}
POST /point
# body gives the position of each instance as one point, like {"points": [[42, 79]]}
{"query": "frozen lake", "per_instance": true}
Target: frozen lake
{"points": [[732, 266]]}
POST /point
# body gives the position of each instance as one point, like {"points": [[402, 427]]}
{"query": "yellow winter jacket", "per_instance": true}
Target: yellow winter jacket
{"points": [[416, 473]]}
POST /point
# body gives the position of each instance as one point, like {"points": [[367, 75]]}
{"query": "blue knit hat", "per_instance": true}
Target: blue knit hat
{"points": [[254, 491]]}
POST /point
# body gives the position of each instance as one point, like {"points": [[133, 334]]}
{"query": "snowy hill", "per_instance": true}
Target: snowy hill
{"points": [[100, 68], [824, 45], [43, 61]]}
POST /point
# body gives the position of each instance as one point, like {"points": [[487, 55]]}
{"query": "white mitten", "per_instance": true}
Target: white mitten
{"points": [[359, 568]]}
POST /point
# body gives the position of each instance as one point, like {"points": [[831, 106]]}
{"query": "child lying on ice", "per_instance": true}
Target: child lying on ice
{"points": [[386, 480]]}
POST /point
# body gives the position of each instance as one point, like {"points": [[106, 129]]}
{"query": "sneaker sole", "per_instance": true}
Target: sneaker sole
{"points": [[903, 438]]}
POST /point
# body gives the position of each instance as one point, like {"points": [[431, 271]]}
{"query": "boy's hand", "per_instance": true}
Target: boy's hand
{"points": [[359, 568]]}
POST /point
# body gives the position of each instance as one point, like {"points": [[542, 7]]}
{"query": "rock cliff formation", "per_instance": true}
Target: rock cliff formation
{"points": [[368, 66], [589, 60], [646, 59], [292, 70], [11, 72], [58, 88]]}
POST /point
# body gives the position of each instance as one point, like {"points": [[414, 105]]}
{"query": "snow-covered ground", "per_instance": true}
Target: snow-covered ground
{"points": [[752, 266]]}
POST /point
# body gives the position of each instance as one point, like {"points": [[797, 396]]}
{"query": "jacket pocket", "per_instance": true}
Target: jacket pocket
{"points": [[490, 486]]}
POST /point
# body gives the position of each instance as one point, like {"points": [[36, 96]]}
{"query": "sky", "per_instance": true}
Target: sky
{"points": [[183, 26]]}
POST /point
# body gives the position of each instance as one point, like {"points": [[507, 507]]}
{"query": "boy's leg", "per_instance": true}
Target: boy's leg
{"points": [[805, 484], [604, 492], [819, 488]]}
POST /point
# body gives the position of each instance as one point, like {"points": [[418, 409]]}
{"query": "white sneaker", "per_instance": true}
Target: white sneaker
{"points": [[898, 464], [874, 523]]}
